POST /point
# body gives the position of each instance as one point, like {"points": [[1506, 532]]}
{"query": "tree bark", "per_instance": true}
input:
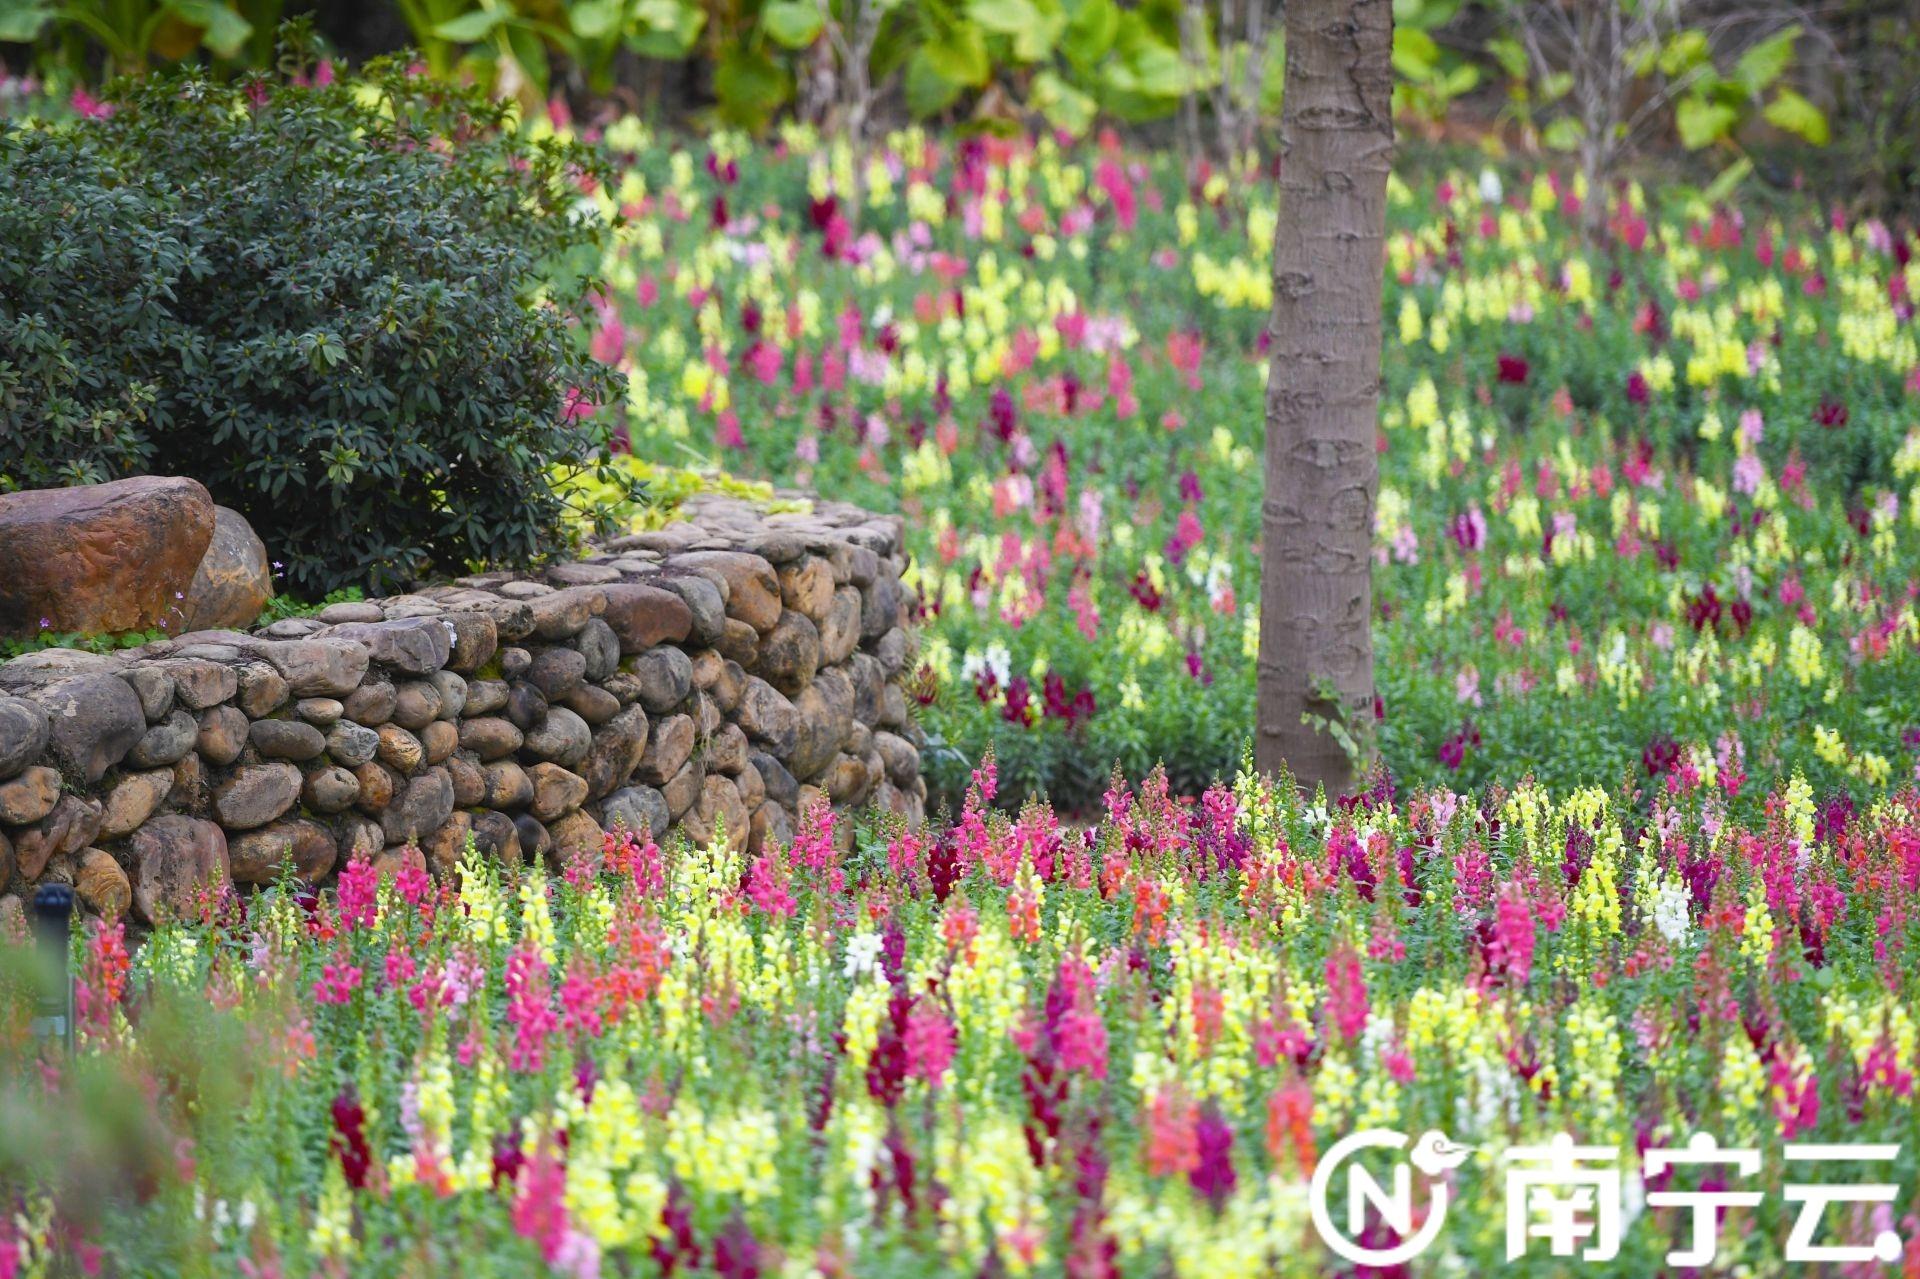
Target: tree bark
{"points": [[1323, 390]]}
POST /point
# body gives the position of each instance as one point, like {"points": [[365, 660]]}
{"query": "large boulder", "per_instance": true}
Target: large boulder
{"points": [[177, 863], [23, 734], [234, 580], [102, 557], [94, 720]]}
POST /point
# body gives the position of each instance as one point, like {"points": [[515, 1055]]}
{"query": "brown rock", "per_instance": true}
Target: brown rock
{"points": [[439, 740], [475, 637], [134, 798], [469, 783], [507, 786], [771, 827], [190, 794], [30, 796], [534, 839], [790, 652], [718, 808], [557, 672], [753, 591], [223, 735], [592, 703], [806, 587], [70, 827], [93, 721], [447, 844], [683, 791], [753, 791], [178, 864], [255, 795], [768, 717], [320, 667], [840, 632], [356, 837], [667, 750], [330, 789], [102, 557], [371, 704], [416, 704], [556, 792], [152, 685], [400, 750], [617, 750], [847, 780], [388, 863], [642, 616], [490, 737], [233, 582], [575, 836], [410, 645], [562, 738], [102, 884], [23, 734], [727, 750], [561, 614], [377, 785], [496, 838], [256, 856], [739, 643], [286, 739], [426, 803]]}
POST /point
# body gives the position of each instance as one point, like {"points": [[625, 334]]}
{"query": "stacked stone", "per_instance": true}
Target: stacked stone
{"points": [[722, 673]]}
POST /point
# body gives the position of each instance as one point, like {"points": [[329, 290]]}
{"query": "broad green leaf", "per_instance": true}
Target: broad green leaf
{"points": [[472, 26], [1797, 116], [960, 58], [22, 23], [594, 19], [222, 29], [1091, 27], [927, 89], [750, 86], [1563, 134], [794, 23], [1684, 51], [1004, 17], [1764, 63], [1064, 106], [1730, 177], [1511, 56], [1414, 53], [665, 28], [1703, 122]]}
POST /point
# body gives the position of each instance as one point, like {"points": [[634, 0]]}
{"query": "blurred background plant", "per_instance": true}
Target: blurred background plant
{"points": [[1732, 84]]}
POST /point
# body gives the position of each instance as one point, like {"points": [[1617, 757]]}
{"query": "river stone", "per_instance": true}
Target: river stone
{"points": [[638, 809], [255, 795], [201, 684], [557, 671], [901, 758], [178, 862], [683, 790], [400, 750], [617, 750], [484, 697], [102, 883], [416, 704], [667, 749], [753, 791], [371, 704], [378, 784], [563, 739], [452, 689], [847, 779], [790, 652], [286, 739], [576, 837], [352, 744], [233, 581], [753, 591], [768, 717], [223, 735], [321, 712], [515, 662], [70, 827], [642, 616], [781, 787], [412, 645], [771, 828], [879, 607], [101, 558], [357, 836], [190, 792], [490, 737], [136, 797], [706, 607], [469, 783], [526, 707], [507, 785], [93, 721], [534, 839], [666, 677], [718, 807], [29, 796], [475, 637], [840, 632], [592, 703], [598, 645], [496, 838], [893, 650], [439, 740], [153, 686], [256, 856], [556, 792], [23, 734], [426, 803], [806, 587], [330, 789], [325, 666], [727, 750], [446, 844], [739, 642], [560, 614]]}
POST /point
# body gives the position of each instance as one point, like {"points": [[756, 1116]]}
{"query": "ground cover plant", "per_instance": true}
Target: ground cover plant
{"points": [[1645, 501], [1002, 1047]]}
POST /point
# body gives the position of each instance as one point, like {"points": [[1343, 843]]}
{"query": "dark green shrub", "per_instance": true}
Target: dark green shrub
{"points": [[345, 309]]}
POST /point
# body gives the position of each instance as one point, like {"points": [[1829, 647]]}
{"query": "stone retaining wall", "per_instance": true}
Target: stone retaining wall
{"points": [[724, 671]]}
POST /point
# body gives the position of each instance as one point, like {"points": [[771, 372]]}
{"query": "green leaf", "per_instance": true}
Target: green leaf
{"points": [[928, 90], [1004, 17], [22, 24], [793, 23], [472, 26], [222, 29], [1702, 122], [1414, 53], [1563, 134], [1684, 51], [666, 28], [594, 19], [750, 86], [1796, 115], [1764, 63], [1511, 56], [1090, 31], [1063, 106], [960, 59], [1730, 177]]}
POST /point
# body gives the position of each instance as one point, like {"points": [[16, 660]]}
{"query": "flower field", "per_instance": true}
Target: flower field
{"points": [[1641, 506], [1006, 1047]]}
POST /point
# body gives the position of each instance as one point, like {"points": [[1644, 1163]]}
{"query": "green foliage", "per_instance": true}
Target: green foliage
{"points": [[345, 309]]}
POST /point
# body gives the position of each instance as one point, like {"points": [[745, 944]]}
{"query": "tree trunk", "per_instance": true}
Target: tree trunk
{"points": [[1323, 390]]}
